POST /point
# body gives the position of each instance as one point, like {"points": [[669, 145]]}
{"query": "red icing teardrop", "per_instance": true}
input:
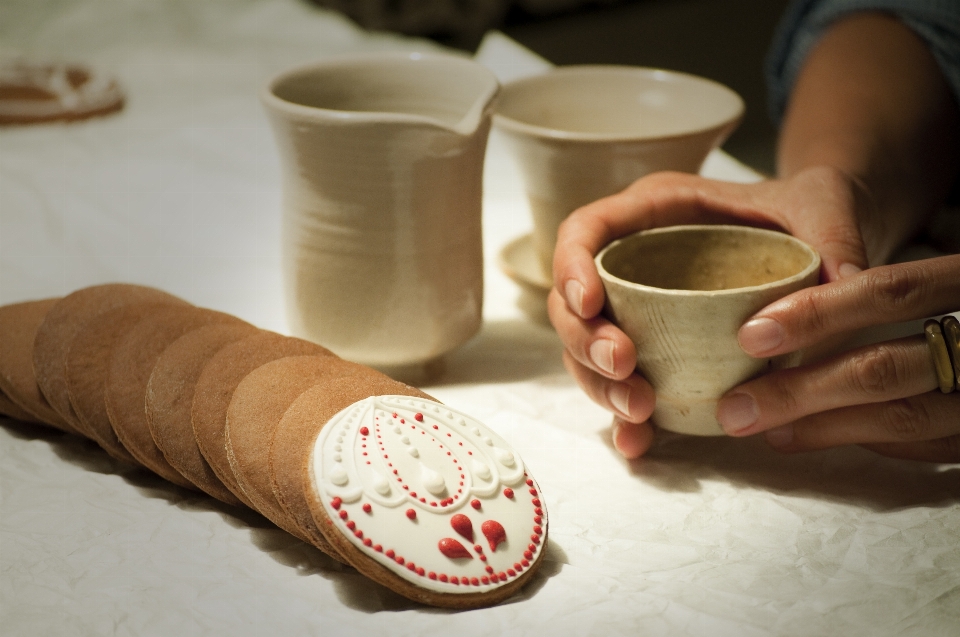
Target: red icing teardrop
{"points": [[453, 549], [462, 525], [493, 531]]}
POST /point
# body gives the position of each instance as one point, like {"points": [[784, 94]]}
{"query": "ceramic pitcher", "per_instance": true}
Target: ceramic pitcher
{"points": [[382, 160]]}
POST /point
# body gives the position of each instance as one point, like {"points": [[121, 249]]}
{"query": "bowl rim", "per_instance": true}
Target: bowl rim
{"points": [[812, 266], [510, 124]]}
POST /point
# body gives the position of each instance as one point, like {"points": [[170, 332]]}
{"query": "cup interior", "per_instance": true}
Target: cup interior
{"points": [[441, 88], [618, 101], [707, 258]]}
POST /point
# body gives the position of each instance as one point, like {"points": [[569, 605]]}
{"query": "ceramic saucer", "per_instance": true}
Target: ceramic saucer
{"points": [[518, 260]]}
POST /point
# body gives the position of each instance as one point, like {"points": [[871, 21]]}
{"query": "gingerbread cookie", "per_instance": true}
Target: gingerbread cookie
{"points": [[65, 320], [170, 398], [132, 360], [12, 410], [87, 365], [215, 387], [34, 93], [427, 501], [18, 325]]}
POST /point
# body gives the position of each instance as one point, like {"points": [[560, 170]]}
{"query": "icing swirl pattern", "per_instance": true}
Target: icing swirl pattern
{"points": [[430, 493]]}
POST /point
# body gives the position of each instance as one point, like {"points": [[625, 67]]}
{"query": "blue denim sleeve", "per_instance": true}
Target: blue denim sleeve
{"points": [[937, 22]]}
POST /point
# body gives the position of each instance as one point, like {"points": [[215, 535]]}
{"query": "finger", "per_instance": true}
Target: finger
{"points": [[882, 295], [631, 399], [875, 373], [595, 343], [632, 439], [946, 450], [927, 417], [660, 199]]}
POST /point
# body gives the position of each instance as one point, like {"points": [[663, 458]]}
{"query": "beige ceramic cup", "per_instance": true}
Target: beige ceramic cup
{"points": [[681, 294], [580, 133], [382, 160]]}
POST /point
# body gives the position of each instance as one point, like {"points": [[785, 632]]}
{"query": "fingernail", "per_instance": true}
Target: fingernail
{"points": [[848, 269], [573, 290], [736, 412], [601, 353], [617, 428], [760, 335], [780, 436], [619, 396]]}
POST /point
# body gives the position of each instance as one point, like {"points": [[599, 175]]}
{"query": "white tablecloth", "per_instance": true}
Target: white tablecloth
{"points": [[181, 191]]}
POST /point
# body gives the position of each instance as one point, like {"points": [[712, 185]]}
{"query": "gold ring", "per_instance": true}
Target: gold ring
{"points": [[951, 334], [946, 377]]}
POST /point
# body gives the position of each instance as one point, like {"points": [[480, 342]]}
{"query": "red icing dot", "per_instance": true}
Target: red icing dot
{"points": [[517, 566], [413, 494], [511, 572], [533, 492], [343, 515], [368, 542], [528, 555], [538, 530], [532, 548], [435, 427], [359, 534], [411, 514], [494, 532], [529, 482], [535, 539], [502, 576], [378, 548], [399, 560], [420, 571], [432, 575], [442, 577], [351, 525], [462, 525], [483, 558], [537, 519], [411, 566], [478, 548], [473, 580], [335, 503], [367, 508], [489, 569], [485, 579], [453, 549], [536, 502], [475, 504], [390, 553], [453, 580], [364, 431], [525, 562], [508, 492], [418, 417]]}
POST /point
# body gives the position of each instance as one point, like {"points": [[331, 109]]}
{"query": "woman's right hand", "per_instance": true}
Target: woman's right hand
{"points": [[819, 205]]}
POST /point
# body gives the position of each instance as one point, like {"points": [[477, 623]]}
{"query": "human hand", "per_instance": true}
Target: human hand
{"points": [[880, 396], [820, 206]]}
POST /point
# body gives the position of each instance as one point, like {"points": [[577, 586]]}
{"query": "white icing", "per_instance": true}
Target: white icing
{"points": [[444, 469]]}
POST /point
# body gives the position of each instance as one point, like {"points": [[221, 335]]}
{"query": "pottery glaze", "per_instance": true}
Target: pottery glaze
{"points": [[382, 162], [681, 294]]}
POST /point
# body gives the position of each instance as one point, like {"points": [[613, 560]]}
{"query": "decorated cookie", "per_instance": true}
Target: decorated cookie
{"points": [[427, 500], [32, 93]]}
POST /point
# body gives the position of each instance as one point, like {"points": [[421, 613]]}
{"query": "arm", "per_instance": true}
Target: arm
{"points": [[868, 149]]}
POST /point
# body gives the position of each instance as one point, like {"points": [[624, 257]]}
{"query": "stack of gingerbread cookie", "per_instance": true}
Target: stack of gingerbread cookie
{"points": [[414, 494]]}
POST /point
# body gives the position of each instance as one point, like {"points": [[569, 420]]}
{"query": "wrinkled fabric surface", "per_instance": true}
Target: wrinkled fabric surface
{"points": [[181, 190]]}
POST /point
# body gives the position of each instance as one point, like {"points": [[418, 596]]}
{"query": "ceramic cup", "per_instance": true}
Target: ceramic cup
{"points": [[382, 159], [580, 133], [681, 294]]}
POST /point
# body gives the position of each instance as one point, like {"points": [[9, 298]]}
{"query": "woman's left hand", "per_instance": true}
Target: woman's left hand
{"points": [[884, 396]]}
